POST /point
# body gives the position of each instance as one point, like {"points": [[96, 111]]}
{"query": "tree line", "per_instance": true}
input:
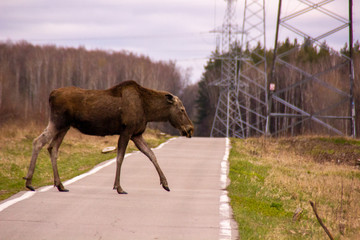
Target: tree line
{"points": [[28, 73], [310, 96]]}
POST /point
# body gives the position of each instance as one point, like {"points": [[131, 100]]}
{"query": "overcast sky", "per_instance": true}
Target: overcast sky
{"points": [[178, 30]]}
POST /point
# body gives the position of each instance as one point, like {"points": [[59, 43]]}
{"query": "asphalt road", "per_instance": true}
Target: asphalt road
{"points": [[195, 208]]}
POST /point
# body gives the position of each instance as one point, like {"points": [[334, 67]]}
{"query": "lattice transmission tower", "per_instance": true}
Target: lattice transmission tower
{"points": [[242, 105], [227, 120], [253, 93], [318, 98]]}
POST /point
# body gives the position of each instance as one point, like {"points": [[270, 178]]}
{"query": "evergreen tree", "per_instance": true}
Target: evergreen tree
{"points": [[207, 96]]}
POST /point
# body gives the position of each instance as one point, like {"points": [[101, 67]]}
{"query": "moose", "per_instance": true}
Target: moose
{"points": [[124, 109]]}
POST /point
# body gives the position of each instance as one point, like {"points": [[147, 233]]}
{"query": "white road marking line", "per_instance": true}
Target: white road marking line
{"points": [[7, 204], [29, 194], [92, 171], [164, 143], [224, 208]]}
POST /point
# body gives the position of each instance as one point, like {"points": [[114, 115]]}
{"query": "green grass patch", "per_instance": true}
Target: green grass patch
{"points": [[255, 210], [340, 140]]}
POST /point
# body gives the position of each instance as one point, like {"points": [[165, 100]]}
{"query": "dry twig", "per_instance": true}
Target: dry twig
{"points": [[313, 205]]}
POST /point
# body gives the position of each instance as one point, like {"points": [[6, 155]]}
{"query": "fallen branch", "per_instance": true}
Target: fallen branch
{"points": [[313, 205]]}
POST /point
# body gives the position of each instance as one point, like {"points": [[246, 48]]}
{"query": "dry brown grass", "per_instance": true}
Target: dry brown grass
{"points": [[13, 132], [315, 169]]}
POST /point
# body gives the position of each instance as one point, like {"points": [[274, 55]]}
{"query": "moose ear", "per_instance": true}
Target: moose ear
{"points": [[170, 98]]}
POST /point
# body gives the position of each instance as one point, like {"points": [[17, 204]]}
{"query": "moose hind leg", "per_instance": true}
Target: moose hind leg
{"points": [[38, 144], [54, 150]]}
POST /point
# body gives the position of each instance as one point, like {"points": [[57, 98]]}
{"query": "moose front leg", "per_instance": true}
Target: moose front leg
{"points": [[144, 148], [122, 145]]}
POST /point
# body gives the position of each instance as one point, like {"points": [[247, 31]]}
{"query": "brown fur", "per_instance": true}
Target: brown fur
{"points": [[123, 110]]}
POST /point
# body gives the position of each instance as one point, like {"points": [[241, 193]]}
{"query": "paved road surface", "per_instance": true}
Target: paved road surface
{"points": [[92, 210]]}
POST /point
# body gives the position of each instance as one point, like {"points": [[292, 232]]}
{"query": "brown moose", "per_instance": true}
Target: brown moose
{"points": [[123, 110]]}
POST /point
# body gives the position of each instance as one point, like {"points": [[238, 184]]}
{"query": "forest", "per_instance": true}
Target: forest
{"points": [[312, 92], [28, 73]]}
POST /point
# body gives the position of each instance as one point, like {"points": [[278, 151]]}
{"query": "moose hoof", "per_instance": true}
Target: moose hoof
{"points": [[61, 188], [119, 190], [28, 184], [166, 188], [31, 188]]}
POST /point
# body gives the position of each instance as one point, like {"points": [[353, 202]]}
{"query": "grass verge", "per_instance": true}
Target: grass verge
{"points": [[78, 154], [272, 178]]}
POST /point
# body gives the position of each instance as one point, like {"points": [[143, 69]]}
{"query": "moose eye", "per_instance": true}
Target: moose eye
{"points": [[182, 110]]}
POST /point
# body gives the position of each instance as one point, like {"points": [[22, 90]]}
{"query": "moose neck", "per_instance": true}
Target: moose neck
{"points": [[156, 106]]}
